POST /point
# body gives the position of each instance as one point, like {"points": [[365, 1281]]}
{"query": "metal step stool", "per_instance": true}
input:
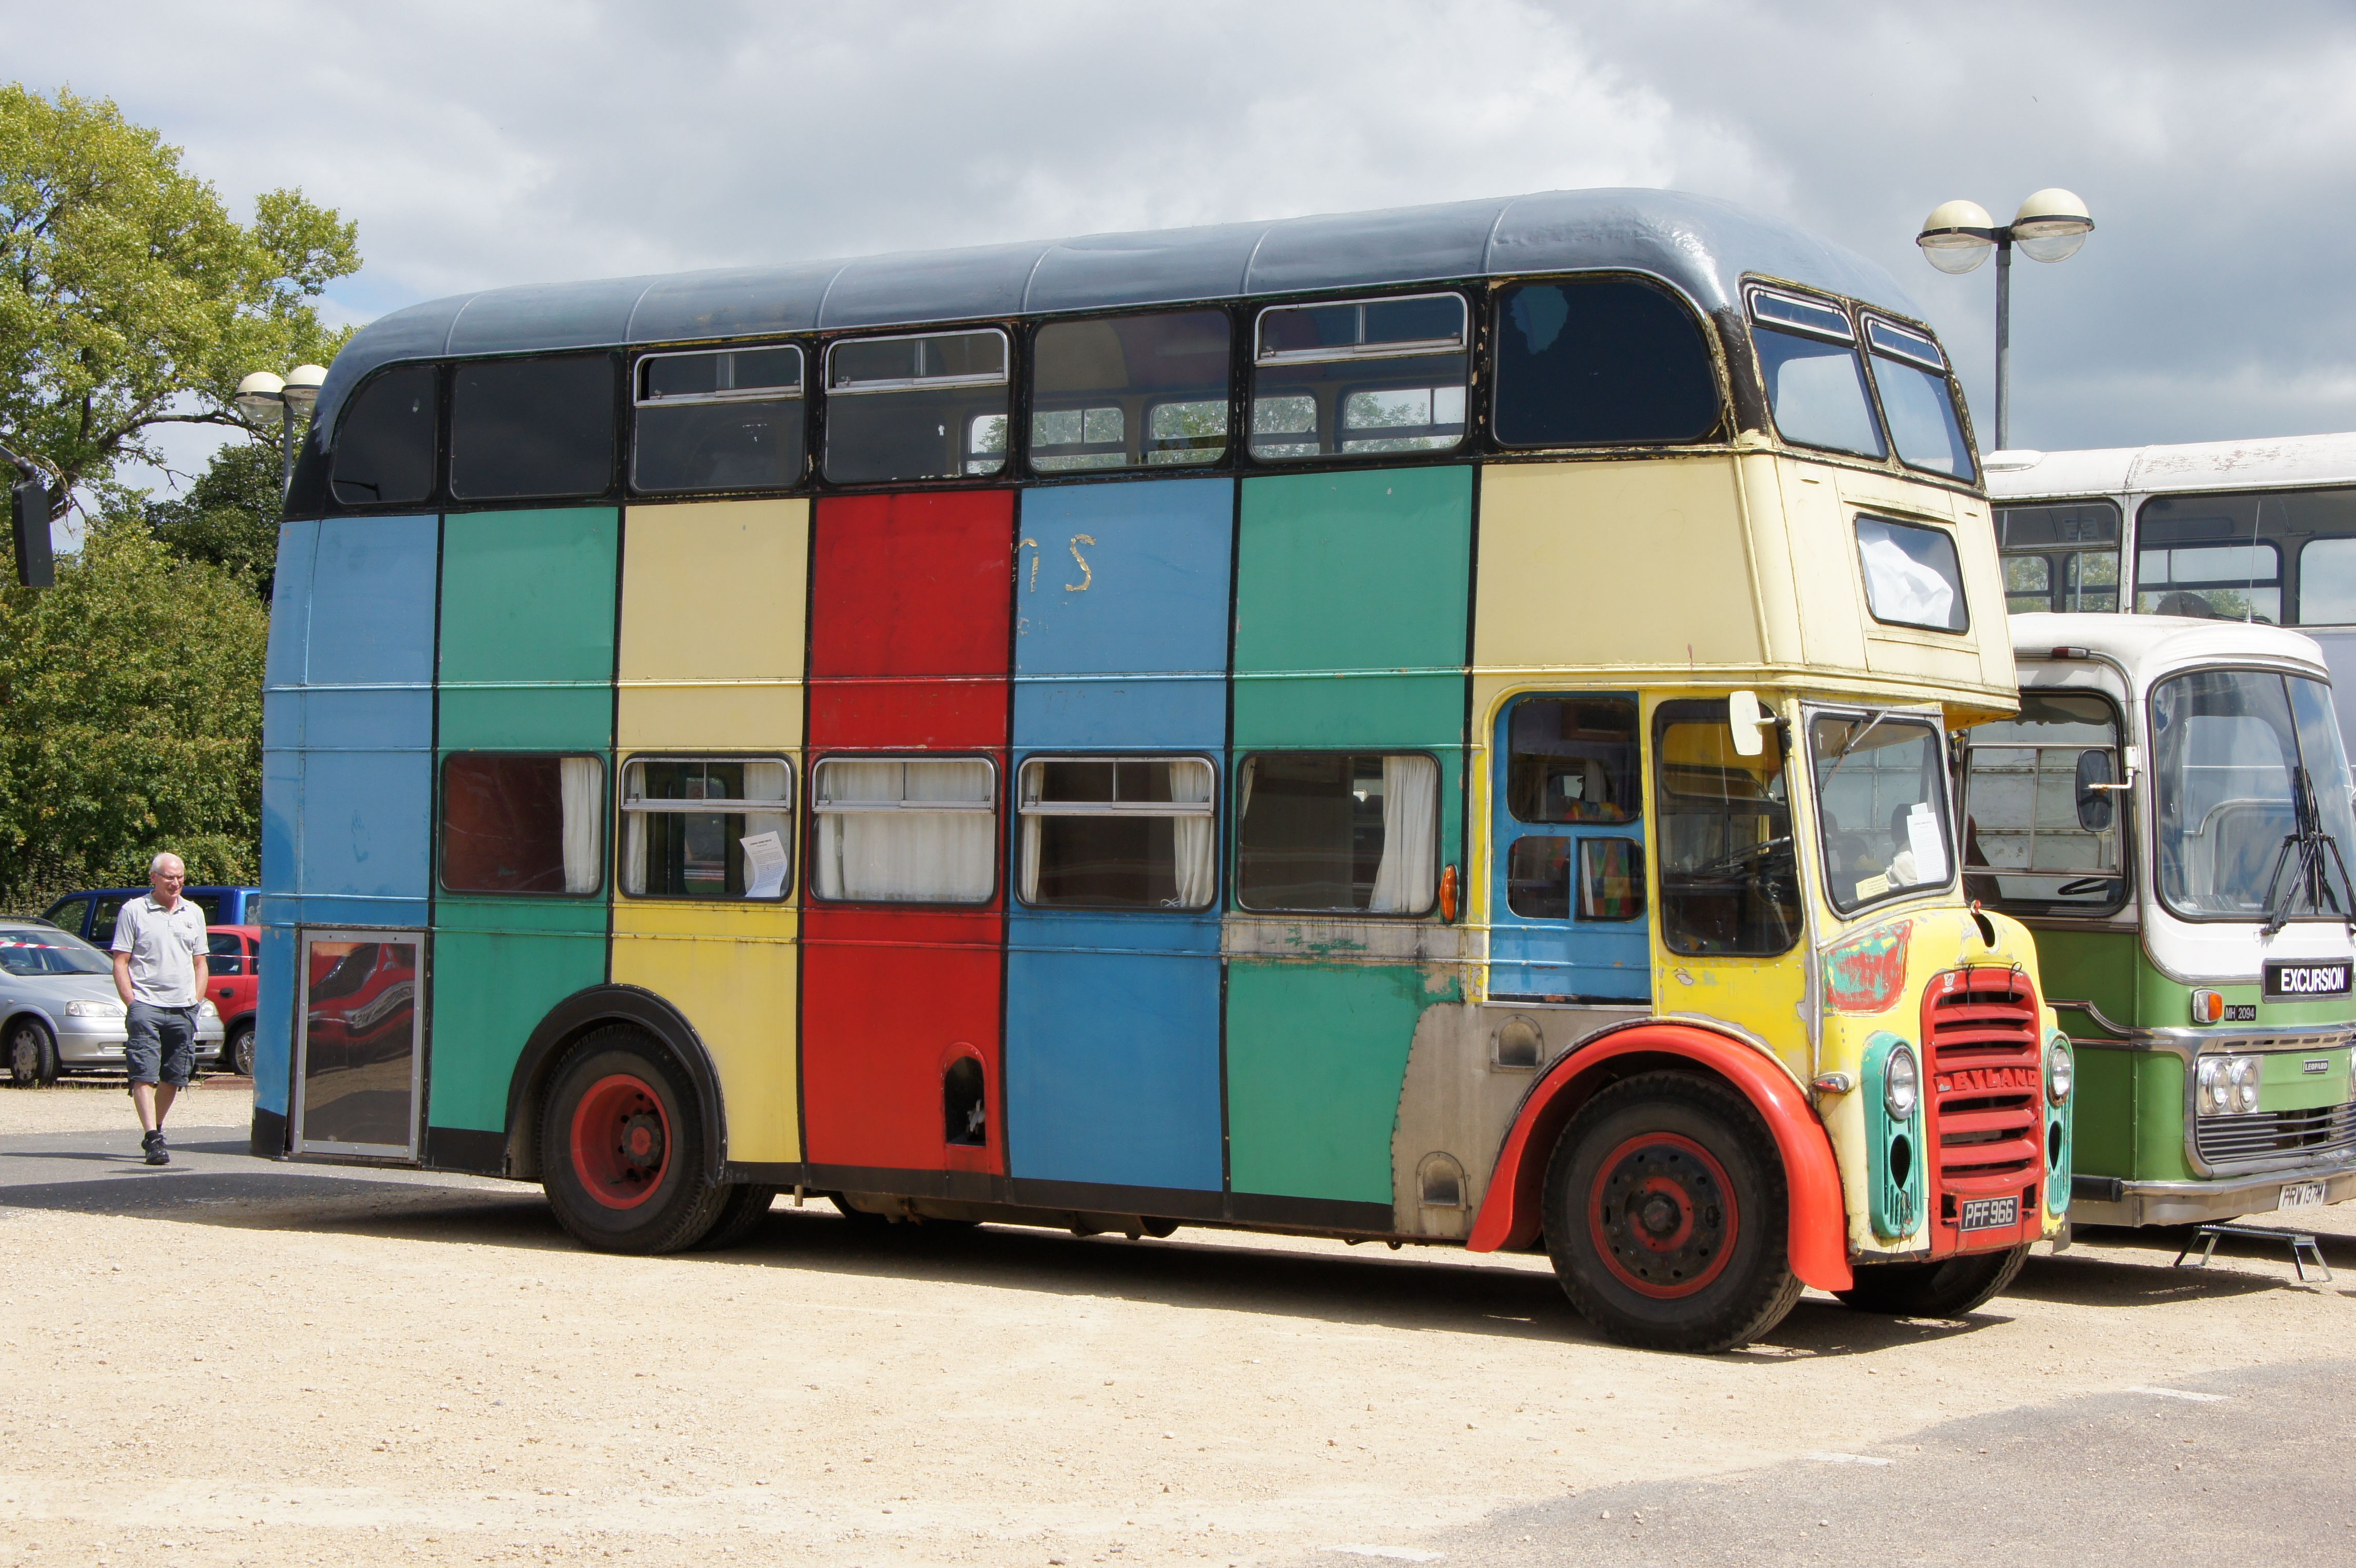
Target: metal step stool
{"points": [[2302, 1246]]}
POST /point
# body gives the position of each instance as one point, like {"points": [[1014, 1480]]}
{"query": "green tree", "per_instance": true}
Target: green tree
{"points": [[129, 298], [228, 517], [130, 719]]}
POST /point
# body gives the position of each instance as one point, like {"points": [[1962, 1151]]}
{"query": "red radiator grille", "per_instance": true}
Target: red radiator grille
{"points": [[1984, 1102]]}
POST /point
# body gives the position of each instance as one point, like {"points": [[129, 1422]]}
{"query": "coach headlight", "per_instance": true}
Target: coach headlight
{"points": [[1901, 1083], [2242, 1078], [2061, 1072]]}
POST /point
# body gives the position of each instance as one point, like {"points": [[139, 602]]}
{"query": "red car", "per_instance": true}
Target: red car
{"points": [[234, 987]]}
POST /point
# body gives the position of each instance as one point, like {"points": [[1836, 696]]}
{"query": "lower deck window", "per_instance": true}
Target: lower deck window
{"points": [[515, 824], [1338, 830], [706, 828], [1117, 832], [904, 830]]}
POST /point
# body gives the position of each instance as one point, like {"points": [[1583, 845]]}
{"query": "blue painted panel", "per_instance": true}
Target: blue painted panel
{"points": [[281, 815], [367, 826], [1171, 714], [373, 601], [1530, 956], [1112, 1049], [274, 1021], [289, 604], [368, 719]]}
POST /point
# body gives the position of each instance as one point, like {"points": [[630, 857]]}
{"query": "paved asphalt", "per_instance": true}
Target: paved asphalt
{"points": [[103, 1172]]}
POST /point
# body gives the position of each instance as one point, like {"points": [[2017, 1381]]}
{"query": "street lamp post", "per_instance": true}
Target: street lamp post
{"points": [[1957, 237], [268, 399]]}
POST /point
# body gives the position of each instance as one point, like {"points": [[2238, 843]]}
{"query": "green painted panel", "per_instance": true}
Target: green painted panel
{"points": [[2289, 1086], [1315, 1057], [2158, 1119], [2091, 966], [499, 966], [1366, 572], [528, 597], [2106, 1129]]}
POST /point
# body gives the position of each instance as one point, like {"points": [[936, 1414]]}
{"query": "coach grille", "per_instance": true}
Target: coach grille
{"points": [[2320, 1133]]}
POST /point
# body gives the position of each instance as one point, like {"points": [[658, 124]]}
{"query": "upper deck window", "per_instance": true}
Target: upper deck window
{"points": [[1816, 383], [725, 420], [2060, 555], [2285, 557], [1360, 376], [924, 407], [1913, 576], [1130, 392], [1602, 363], [1916, 399], [532, 429], [385, 445]]}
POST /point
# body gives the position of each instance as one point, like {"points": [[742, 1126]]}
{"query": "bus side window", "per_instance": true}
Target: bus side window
{"points": [[2028, 849], [1129, 833], [1337, 832], [385, 444], [2060, 555], [1130, 392], [1602, 363], [730, 419], [532, 429], [903, 830], [521, 823], [921, 406], [707, 827], [1361, 377]]}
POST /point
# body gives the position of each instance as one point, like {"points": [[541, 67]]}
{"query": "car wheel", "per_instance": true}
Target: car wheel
{"points": [[1667, 1216], [32, 1055], [622, 1148], [1949, 1288], [237, 1057]]}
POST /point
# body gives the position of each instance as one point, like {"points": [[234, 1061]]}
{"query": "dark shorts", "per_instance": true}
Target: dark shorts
{"points": [[162, 1044]]}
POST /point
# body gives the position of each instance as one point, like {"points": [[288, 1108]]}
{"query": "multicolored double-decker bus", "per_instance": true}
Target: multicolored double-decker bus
{"points": [[2169, 812], [1425, 726]]}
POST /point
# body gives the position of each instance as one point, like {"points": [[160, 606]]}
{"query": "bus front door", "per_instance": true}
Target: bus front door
{"points": [[1566, 877]]}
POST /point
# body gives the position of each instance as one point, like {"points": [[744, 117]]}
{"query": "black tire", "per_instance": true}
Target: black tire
{"points": [[237, 1053], [1711, 1268], [1946, 1289], [742, 1212], [638, 1179], [32, 1054]]}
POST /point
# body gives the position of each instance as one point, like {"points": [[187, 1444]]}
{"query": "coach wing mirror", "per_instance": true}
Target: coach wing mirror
{"points": [[2094, 784], [1748, 722]]}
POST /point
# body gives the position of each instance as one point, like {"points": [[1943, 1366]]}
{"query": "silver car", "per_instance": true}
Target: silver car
{"points": [[58, 1012]]}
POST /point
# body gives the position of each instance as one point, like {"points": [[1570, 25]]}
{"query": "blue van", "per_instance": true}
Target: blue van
{"points": [[91, 915]]}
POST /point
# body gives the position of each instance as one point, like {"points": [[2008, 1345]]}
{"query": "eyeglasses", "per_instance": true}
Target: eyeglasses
{"points": [[171, 876]]}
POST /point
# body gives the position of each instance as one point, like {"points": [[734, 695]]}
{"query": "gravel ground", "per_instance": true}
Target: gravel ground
{"points": [[256, 1366]]}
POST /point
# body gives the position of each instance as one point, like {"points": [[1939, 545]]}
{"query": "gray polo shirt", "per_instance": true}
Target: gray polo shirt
{"points": [[163, 945]]}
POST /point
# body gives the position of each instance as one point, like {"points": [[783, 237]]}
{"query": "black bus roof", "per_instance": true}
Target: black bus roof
{"points": [[1702, 246]]}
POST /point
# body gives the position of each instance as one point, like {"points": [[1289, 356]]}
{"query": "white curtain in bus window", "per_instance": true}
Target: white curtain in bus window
{"points": [[729, 420], [1130, 392], [1360, 376], [1816, 385], [1132, 833], [904, 830], [2060, 555], [385, 441], [1913, 576], [532, 429], [706, 828], [924, 407], [521, 823], [2038, 837], [1338, 832], [2284, 557], [1600, 363], [1916, 399], [359, 1043]]}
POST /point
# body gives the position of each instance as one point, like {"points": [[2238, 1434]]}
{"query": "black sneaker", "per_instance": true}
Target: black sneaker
{"points": [[156, 1153]]}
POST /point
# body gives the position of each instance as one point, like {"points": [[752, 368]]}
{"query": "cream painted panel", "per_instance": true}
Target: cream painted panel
{"points": [[730, 968], [1829, 593], [1604, 565], [714, 594]]}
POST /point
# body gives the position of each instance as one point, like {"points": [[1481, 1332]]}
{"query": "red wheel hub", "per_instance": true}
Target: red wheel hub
{"points": [[621, 1140], [1663, 1215]]}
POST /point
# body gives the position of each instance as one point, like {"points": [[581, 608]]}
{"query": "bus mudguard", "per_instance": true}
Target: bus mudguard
{"points": [[1818, 1221], [588, 1009]]}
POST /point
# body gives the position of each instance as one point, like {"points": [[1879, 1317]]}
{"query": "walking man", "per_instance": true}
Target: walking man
{"points": [[160, 973]]}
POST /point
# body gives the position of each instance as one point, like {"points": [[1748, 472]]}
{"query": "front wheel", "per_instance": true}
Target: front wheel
{"points": [[32, 1055], [1667, 1216], [238, 1055], [622, 1148], [1946, 1289]]}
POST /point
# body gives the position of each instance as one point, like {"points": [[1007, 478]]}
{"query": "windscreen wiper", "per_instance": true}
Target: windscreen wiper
{"points": [[1857, 737], [2312, 872]]}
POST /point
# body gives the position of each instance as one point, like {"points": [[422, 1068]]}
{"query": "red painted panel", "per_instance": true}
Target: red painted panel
{"points": [[913, 585], [890, 997]]}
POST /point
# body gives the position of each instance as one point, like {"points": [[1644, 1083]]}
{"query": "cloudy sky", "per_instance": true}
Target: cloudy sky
{"points": [[480, 144]]}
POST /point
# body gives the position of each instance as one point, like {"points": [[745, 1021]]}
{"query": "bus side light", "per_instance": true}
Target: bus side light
{"points": [[2208, 1007]]}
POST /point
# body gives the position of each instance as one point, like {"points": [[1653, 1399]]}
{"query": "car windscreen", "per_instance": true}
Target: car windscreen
{"points": [[29, 951]]}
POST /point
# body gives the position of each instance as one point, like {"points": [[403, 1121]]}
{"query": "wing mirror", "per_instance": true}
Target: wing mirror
{"points": [[1748, 722], [2094, 786]]}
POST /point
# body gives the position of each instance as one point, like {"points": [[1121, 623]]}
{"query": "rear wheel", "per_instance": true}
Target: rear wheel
{"points": [[32, 1055], [1667, 1216], [741, 1213], [1946, 1289], [237, 1057], [622, 1148]]}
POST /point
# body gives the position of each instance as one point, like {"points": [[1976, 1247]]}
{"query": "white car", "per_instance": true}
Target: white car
{"points": [[58, 1012]]}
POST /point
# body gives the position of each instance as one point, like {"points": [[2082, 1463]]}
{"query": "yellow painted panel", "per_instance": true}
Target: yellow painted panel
{"points": [[712, 606], [1604, 564], [730, 968]]}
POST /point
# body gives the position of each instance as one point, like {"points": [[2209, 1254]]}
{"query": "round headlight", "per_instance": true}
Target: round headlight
{"points": [[1901, 1083], [2213, 1096], [2061, 1071], [2244, 1080]]}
